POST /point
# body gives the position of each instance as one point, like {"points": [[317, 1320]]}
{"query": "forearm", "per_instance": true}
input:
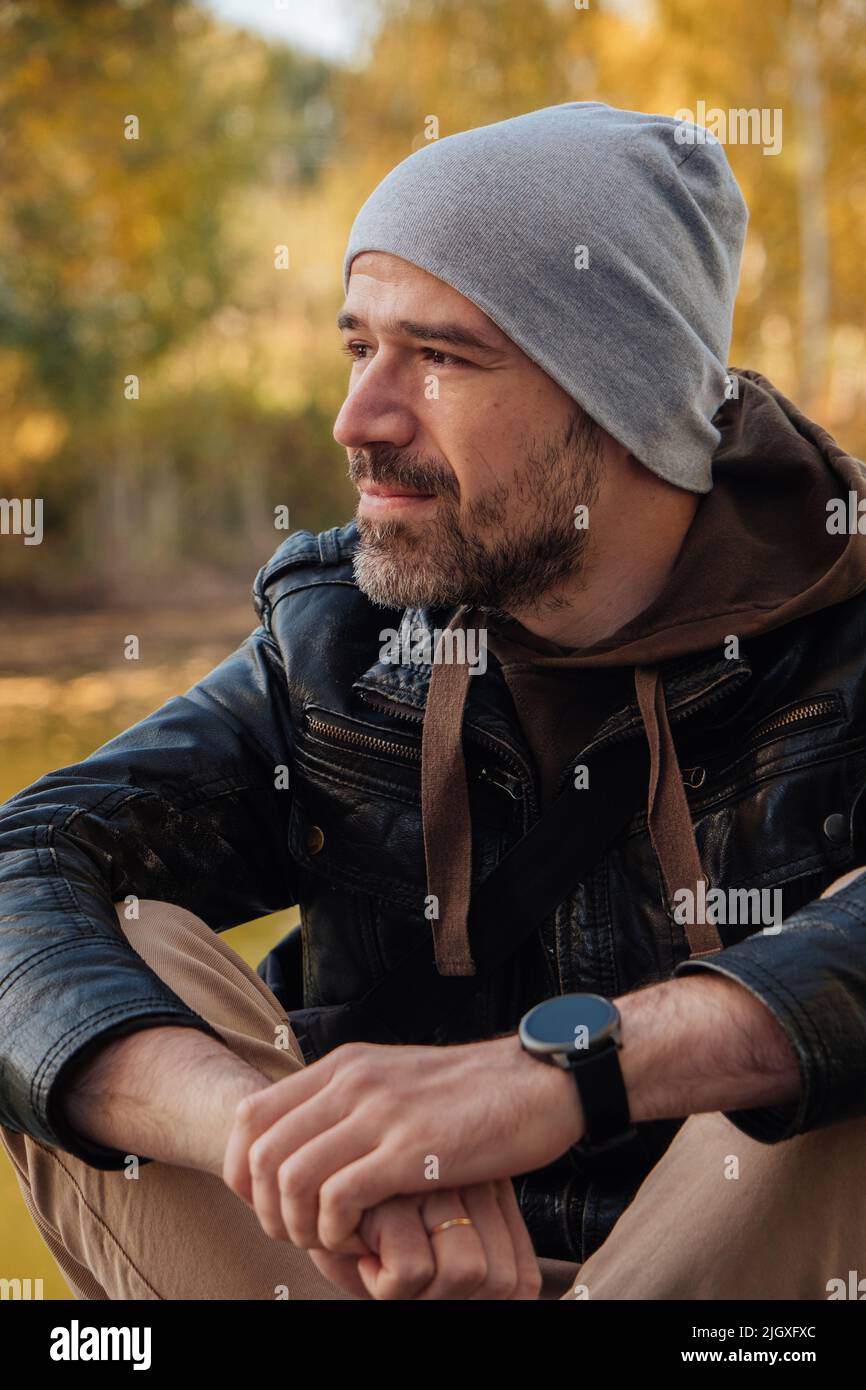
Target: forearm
{"points": [[164, 1093], [702, 1044]]}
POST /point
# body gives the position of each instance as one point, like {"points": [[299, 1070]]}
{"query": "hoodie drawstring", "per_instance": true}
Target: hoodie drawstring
{"points": [[447, 823], [445, 812], [669, 820]]}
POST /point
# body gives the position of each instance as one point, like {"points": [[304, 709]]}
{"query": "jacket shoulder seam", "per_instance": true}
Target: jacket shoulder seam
{"points": [[306, 558], [301, 548]]}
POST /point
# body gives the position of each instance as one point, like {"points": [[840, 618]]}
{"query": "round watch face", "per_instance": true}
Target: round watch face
{"points": [[571, 1022]]}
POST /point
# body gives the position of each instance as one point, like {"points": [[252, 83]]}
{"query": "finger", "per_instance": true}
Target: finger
{"points": [[278, 1172], [528, 1269], [403, 1264], [342, 1270], [348, 1271], [267, 1158], [257, 1112], [344, 1197], [299, 1179], [482, 1206], [254, 1117], [461, 1262], [391, 1170]]}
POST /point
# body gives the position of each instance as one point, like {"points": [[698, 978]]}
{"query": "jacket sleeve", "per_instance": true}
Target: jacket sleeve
{"points": [[184, 807], [812, 976]]}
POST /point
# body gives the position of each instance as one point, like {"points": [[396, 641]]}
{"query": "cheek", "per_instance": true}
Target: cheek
{"points": [[480, 445]]}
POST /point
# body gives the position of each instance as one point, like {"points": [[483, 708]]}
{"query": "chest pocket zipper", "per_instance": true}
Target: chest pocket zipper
{"points": [[353, 738], [820, 710], [823, 709], [411, 753]]}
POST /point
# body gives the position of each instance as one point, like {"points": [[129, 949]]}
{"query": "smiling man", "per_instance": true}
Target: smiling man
{"points": [[508, 1031]]}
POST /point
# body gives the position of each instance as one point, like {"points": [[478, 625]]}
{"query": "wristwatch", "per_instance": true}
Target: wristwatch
{"points": [[582, 1034]]}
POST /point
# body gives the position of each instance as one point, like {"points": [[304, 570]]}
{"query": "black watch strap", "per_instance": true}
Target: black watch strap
{"points": [[603, 1098]]}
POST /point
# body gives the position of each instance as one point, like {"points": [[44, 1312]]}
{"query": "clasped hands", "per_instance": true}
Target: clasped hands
{"points": [[361, 1156]]}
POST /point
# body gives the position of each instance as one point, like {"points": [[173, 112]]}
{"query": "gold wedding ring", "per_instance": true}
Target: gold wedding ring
{"points": [[454, 1221]]}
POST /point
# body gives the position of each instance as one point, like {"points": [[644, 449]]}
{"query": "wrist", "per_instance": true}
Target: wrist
{"points": [[550, 1092]]}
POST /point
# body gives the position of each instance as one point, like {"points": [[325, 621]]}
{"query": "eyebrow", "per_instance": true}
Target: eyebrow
{"points": [[450, 333]]}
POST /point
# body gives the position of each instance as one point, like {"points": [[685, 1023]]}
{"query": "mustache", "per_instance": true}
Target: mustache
{"points": [[383, 466]]}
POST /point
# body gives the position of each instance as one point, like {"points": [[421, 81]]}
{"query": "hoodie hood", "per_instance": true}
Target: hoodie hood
{"points": [[763, 549]]}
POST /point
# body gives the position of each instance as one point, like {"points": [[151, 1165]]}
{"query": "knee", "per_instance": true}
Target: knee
{"points": [[145, 915]]}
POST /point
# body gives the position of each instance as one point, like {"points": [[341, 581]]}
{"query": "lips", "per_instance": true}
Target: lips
{"points": [[389, 490], [392, 499]]}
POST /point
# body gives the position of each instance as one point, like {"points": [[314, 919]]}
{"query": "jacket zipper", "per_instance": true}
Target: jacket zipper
{"points": [[505, 781], [521, 774], [806, 713], [358, 740]]}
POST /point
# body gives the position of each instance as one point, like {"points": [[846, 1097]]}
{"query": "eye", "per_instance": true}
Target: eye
{"points": [[446, 359], [358, 353]]}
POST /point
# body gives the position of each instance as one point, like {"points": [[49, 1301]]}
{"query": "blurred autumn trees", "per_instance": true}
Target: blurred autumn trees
{"points": [[151, 257], [155, 257]]}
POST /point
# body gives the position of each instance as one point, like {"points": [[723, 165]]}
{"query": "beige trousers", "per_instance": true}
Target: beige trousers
{"points": [[719, 1216]]}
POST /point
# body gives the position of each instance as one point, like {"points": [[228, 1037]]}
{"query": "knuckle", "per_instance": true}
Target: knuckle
{"points": [[300, 1230], [261, 1159], [246, 1110], [332, 1215], [390, 1287], [350, 1052], [356, 1076], [477, 1268], [467, 1273], [290, 1179], [529, 1284], [345, 1086], [409, 1277], [421, 1271]]}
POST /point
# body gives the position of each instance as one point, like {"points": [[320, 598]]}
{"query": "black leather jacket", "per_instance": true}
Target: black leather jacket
{"points": [[188, 807]]}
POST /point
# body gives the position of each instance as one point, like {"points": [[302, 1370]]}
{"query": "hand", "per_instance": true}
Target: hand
{"points": [[312, 1152], [491, 1259]]}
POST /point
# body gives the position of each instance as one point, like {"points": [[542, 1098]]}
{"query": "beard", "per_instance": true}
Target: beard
{"points": [[514, 546]]}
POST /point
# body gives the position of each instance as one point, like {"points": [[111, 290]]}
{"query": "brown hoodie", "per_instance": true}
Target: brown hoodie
{"points": [[757, 556]]}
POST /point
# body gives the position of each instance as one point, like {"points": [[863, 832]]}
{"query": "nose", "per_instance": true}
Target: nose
{"points": [[374, 412]]}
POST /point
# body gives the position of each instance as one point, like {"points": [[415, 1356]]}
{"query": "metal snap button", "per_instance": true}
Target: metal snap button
{"points": [[315, 839], [836, 828]]}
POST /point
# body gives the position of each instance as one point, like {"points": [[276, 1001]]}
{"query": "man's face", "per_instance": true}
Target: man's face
{"points": [[469, 459]]}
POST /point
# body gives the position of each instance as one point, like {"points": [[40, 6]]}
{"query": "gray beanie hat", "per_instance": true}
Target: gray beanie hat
{"points": [[636, 327]]}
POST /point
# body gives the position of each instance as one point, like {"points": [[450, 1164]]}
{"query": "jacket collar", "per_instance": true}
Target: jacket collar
{"points": [[400, 689]]}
